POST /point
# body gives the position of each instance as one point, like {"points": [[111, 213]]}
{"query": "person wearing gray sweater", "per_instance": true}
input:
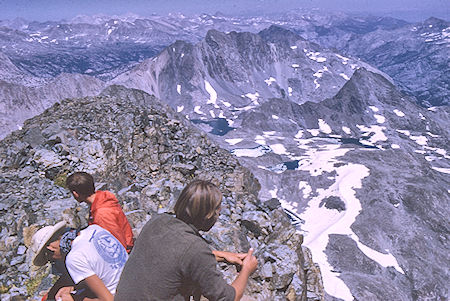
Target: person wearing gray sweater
{"points": [[171, 260]]}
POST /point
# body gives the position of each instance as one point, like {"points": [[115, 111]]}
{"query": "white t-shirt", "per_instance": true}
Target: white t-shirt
{"points": [[95, 251]]}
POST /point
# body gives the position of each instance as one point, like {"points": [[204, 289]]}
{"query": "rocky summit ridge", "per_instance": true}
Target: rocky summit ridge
{"points": [[140, 149]]}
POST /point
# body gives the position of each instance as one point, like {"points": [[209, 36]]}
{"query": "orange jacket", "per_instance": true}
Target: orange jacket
{"points": [[107, 213]]}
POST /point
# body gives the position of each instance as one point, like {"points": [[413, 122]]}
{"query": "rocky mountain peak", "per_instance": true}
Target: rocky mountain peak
{"points": [[145, 153], [280, 35], [361, 86], [435, 22]]}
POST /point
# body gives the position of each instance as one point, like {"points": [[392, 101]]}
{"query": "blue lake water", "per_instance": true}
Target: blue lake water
{"points": [[220, 126]]}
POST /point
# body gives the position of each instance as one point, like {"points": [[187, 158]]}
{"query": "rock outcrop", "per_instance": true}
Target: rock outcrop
{"points": [[144, 152]]}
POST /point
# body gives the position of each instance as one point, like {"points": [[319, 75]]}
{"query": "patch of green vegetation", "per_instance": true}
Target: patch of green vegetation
{"points": [[32, 284], [60, 179]]}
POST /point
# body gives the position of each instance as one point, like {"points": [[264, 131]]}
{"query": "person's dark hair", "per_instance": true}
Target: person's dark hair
{"points": [[198, 204], [82, 183]]}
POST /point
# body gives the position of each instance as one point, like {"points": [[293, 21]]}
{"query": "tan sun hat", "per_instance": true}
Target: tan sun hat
{"points": [[43, 237]]}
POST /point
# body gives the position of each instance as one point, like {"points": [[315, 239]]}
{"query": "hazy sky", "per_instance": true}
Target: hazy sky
{"points": [[41, 10]]}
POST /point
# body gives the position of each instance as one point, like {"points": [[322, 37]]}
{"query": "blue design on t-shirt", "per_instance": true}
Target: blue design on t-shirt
{"points": [[110, 249]]}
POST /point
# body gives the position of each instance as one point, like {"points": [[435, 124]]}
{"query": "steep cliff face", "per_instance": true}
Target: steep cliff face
{"points": [[144, 152]]}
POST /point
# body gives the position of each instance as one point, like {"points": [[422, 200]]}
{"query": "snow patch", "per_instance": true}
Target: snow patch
{"points": [[399, 113], [313, 132], [421, 140], [324, 127], [395, 146], [306, 188], [251, 152], [374, 109], [278, 149], [441, 152], [432, 135], [343, 58], [404, 132], [441, 169], [180, 108], [379, 118], [226, 103], [270, 81], [260, 140], [212, 93], [253, 97], [385, 260], [179, 89], [295, 65], [290, 91], [293, 47], [346, 130], [377, 131], [299, 134], [275, 117], [344, 76], [323, 160], [269, 133], [233, 141], [315, 57], [317, 84], [198, 111]]}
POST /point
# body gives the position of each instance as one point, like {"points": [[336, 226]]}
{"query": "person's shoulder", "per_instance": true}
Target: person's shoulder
{"points": [[89, 232], [162, 221], [104, 197], [169, 224]]}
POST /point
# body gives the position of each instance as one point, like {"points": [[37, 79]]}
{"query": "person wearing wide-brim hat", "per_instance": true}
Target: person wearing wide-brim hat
{"points": [[92, 257], [42, 238], [39, 243]]}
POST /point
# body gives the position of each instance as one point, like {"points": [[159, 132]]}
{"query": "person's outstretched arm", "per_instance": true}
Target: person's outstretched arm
{"points": [[230, 257], [249, 265]]}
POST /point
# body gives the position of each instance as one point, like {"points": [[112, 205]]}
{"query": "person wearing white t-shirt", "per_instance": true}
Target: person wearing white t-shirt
{"points": [[93, 256]]}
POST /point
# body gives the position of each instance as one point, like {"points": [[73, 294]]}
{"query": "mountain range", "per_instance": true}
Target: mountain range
{"points": [[415, 56], [356, 157]]}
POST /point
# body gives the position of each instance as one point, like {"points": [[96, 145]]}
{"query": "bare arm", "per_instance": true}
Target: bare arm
{"points": [[97, 286], [233, 258], [64, 291], [249, 265]]}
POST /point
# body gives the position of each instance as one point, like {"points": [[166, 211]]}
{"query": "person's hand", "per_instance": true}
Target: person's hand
{"points": [[64, 294], [250, 263], [232, 258]]}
